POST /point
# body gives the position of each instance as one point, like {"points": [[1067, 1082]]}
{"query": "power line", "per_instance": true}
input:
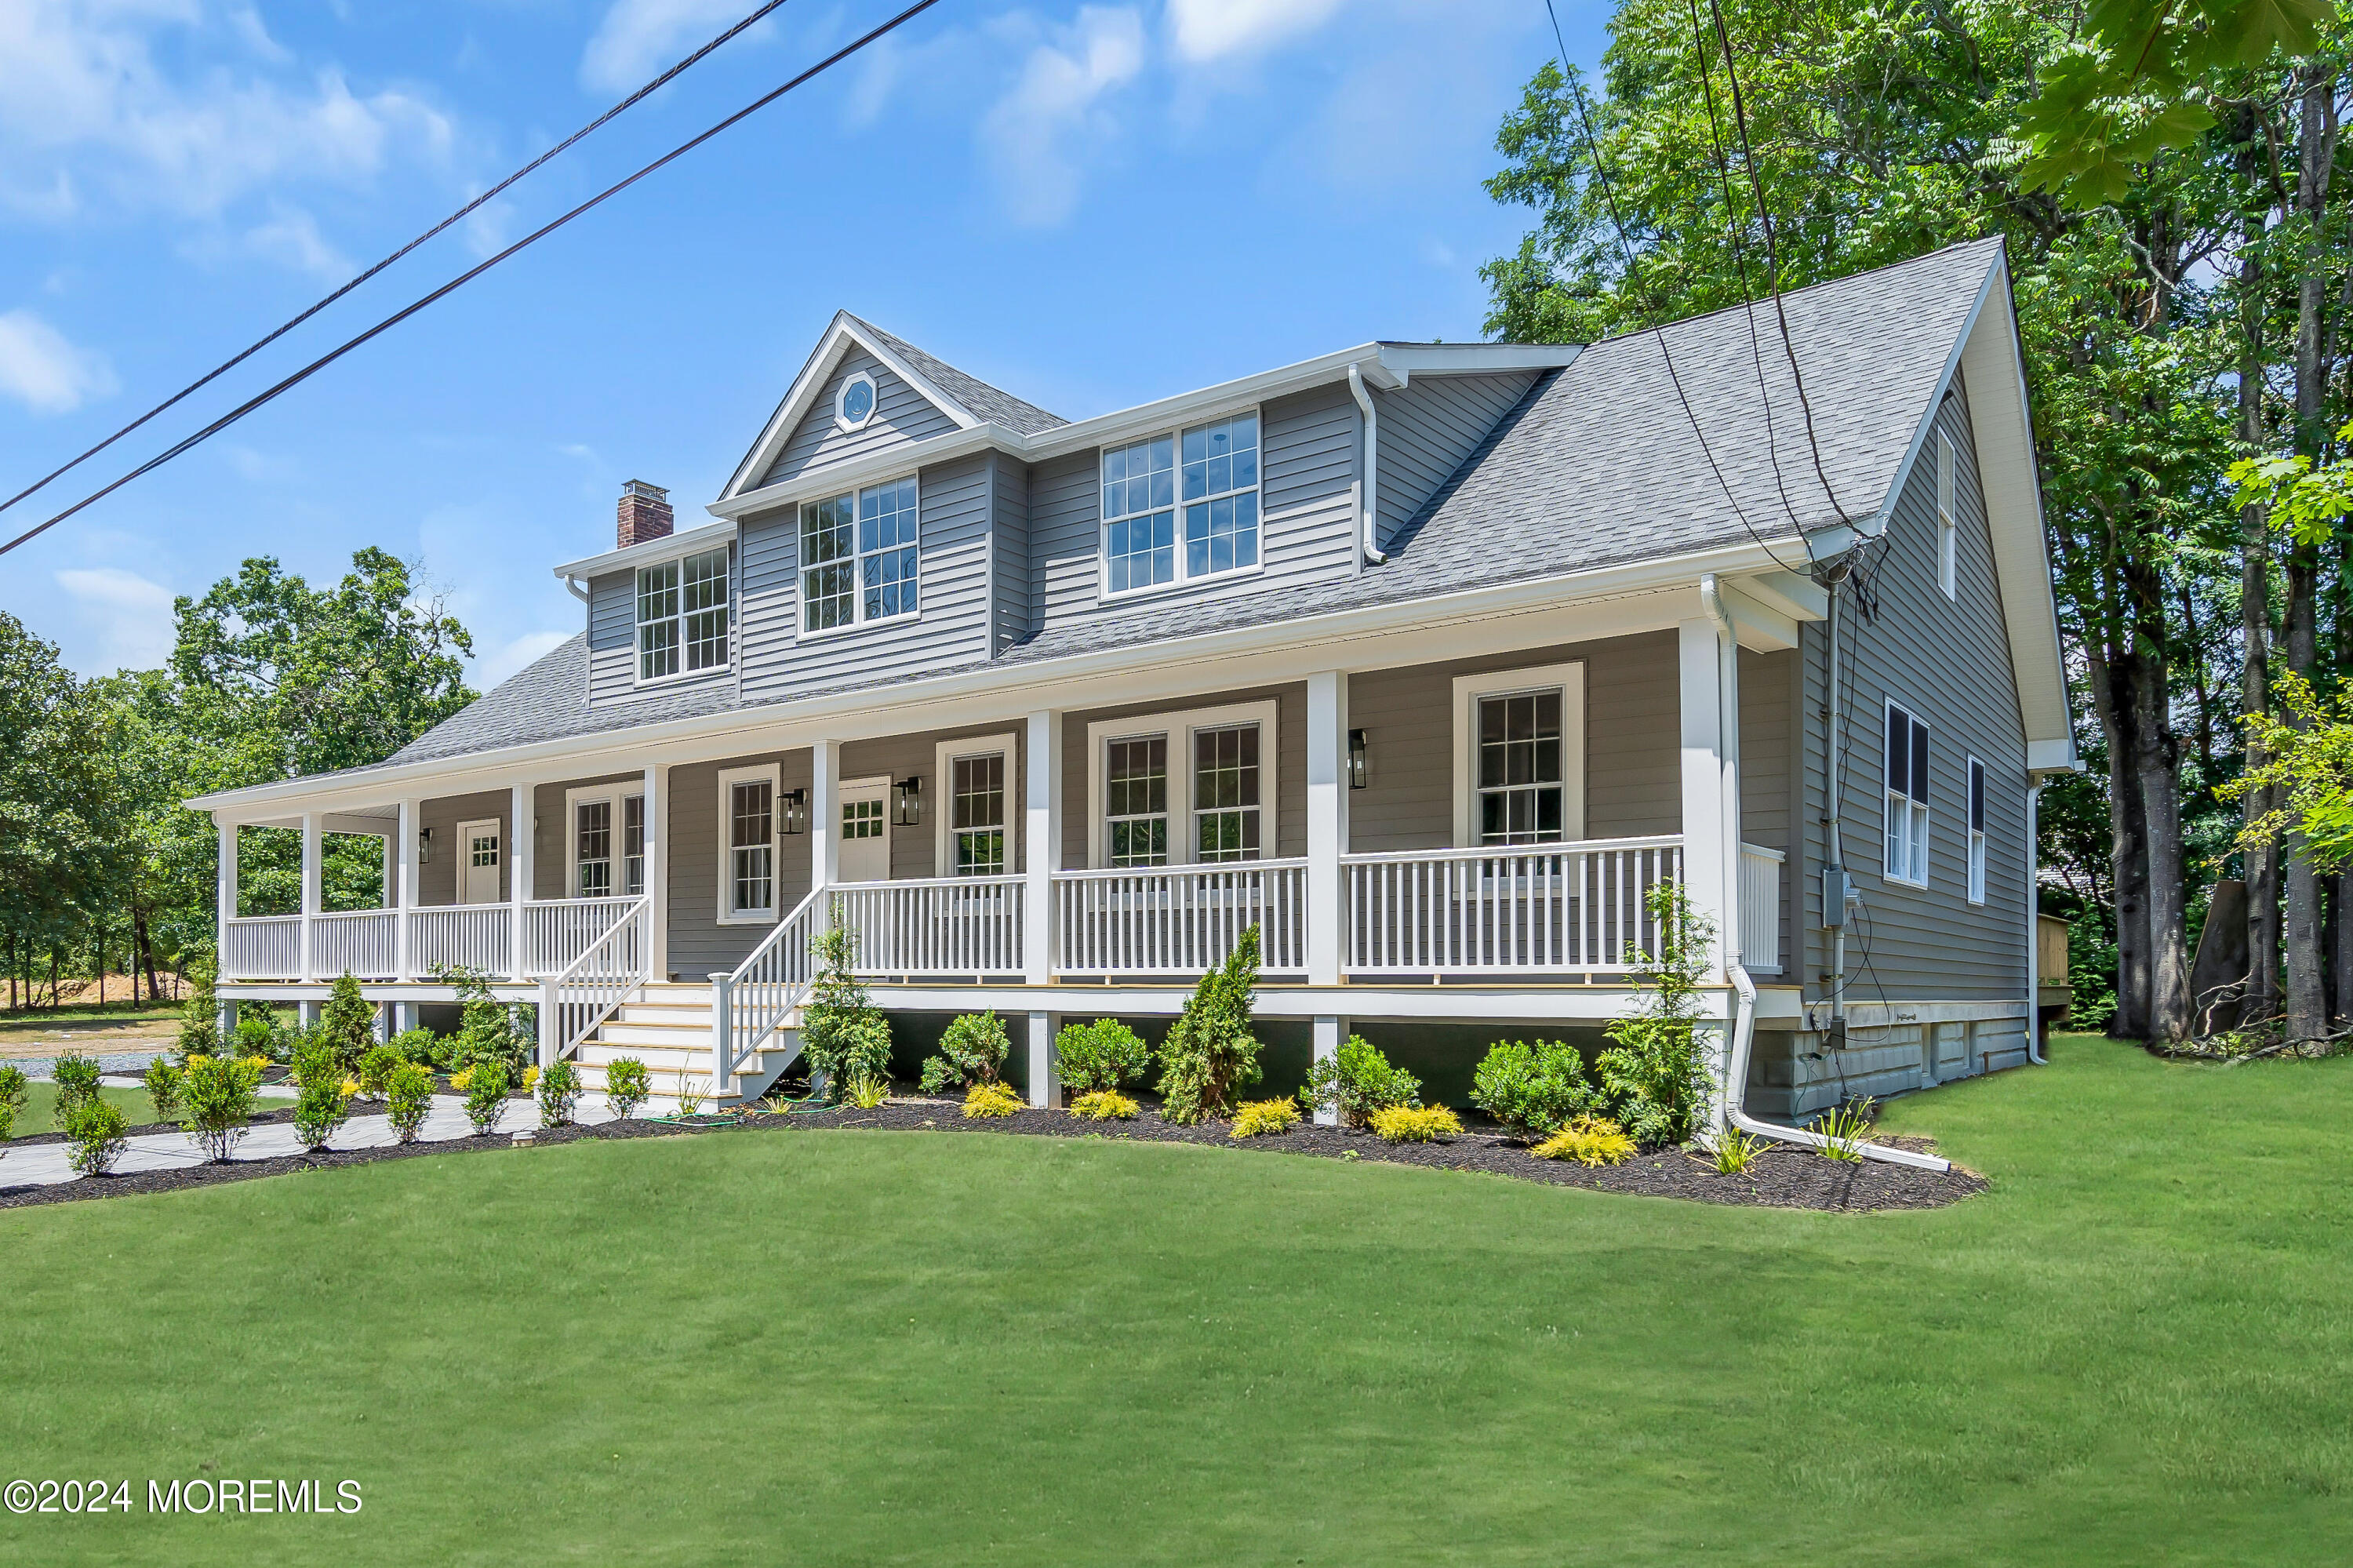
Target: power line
{"points": [[209, 376], [239, 412]]}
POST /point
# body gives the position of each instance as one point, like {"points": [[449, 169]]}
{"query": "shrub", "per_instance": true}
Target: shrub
{"points": [[485, 1096], [376, 1068], [200, 1014], [1210, 1054], [347, 1023], [1533, 1089], [1416, 1124], [416, 1045], [315, 1062], [971, 1050], [163, 1081], [843, 1034], [488, 1029], [984, 1100], [12, 1098], [559, 1091], [77, 1081], [625, 1085], [462, 1079], [1588, 1140], [1358, 1081], [1845, 1130], [1104, 1105], [321, 1110], [866, 1091], [407, 1097], [1104, 1054], [218, 1100], [96, 1130], [1259, 1117], [1654, 1077], [257, 1034], [1732, 1151]]}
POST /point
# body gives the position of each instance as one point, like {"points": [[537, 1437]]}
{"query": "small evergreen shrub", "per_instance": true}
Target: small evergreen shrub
{"points": [[416, 1045], [1416, 1124], [97, 1133], [163, 1081], [1654, 1077], [843, 1034], [1210, 1054], [986, 1100], [1104, 1105], [77, 1082], [347, 1023], [376, 1067], [1256, 1118], [972, 1050], [200, 1033], [559, 1090], [317, 1062], [1104, 1054], [12, 1098], [1588, 1140], [1358, 1081], [1533, 1088], [407, 1097], [257, 1034], [485, 1096], [625, 1085], [216, 1101], [321, 1110], [488, 1029]]}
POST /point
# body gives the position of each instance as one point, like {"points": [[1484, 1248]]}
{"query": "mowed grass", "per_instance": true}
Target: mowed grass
{"points": [[851, 1348], [40, 1112]]}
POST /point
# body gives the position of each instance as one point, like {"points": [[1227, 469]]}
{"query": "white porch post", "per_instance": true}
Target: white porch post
{"points": [[1045, 1070], [522, 842], [1327, 820], [1330, 1029], [1041, 845], [1711, 778], [404, 890], [656, 813], [226, 893], [825, 814], [314, 900]]}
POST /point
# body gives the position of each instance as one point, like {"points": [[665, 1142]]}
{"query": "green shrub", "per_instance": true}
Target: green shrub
{"points": [[257, 1034], [1732, 1151], [1845, 1129], [12, 1098], [843, 1035], [1256, 1118], [200, 1032], [347, 1023], [1533, 1088], [1654, 1077], [322, 1107], [1210, 1054], [407, 1097], [1358, 1081], [316, 1061], [376, 1067], [485, 1096], [559, 1091], [96, 1132], [489, 1030], [1416, 1124], [1104, 1105], [1104, 1054], [625, 1085], [416, 1045], [218, 1103], [971, 1050], [1588, 1140], [77, 1082], [867, 1092], [984, 1100], [163, 1081]]}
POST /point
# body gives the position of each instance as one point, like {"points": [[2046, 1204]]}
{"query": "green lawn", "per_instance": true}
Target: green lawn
{"points": [[40, 1108], [847, 1348]]}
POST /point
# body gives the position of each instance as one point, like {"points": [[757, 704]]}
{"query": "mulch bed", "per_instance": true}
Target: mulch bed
{"points": [[1779, 1178]]}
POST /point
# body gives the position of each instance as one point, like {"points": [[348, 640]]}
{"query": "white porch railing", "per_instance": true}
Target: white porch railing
{"points": [[1760, 909], [571, 1004], [462, 936], [1179, 919], [935, 925], [556, 931], [755, 1000], [262, 947], [1580, 907], [363, 945]]}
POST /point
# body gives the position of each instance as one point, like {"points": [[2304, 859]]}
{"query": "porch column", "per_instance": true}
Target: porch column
{"points": [[225, 878], [1327, 820], [312, 899], [404, 890], [1707, 859], [825, 814], [656, 812], [1045, 1071], [1042, 844], [522, 842], [1329, 1032]]}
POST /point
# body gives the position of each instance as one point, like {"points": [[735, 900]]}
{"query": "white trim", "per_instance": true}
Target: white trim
{"points": [[686, 541], [463, 859], [841, 420], [615, 792], [728, 778], [943, 754], [1948, 526], [1468, 689], [731, 570], [1104, 592], [859, 620], [1178, 727], [801, 396]]}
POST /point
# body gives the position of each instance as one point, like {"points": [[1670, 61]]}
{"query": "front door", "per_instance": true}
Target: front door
{"points": [[866, 831], [478, 861]]}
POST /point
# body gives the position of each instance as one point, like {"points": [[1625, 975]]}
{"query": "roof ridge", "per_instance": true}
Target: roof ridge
{"points": [[1788, 294], [980, 399]]}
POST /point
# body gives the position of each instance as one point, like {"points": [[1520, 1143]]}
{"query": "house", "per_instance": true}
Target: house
{"points": [[1426, 659]]}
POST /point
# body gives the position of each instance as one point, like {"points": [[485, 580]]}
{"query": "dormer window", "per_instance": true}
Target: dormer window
{"points": [[860, 557], [1203, 480], [683, 616]]}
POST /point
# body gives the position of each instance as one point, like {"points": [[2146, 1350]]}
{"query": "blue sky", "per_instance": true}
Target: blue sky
{"points": [[1092, 206]]}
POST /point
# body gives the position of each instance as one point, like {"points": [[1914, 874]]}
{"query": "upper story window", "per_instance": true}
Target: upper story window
{"points": [[1977, 831], [860, 557], [854, 405], [1907, 797], [1948, 530], [1209, 475], [683, 616]]}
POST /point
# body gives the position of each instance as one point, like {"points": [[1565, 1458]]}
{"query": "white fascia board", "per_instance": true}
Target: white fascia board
{"points": [[2053, 756], [685, 540], [802, 396], [1127, 423], [1407, 360], [1759, 627], [835, 478], [1017, 688], [1798, 598]]}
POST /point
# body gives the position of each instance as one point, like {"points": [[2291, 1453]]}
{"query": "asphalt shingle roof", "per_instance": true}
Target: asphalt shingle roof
{"points": [[990, 403]]}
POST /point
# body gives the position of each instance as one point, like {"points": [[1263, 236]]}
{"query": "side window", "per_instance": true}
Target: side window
{"points": [[1977, 831], [683, 616], [1947, 523], [1907, 797]]}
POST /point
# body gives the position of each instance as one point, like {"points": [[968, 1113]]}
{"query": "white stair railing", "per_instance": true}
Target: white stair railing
{"points": [[593, 987], [558, 930], [753, 1001]]}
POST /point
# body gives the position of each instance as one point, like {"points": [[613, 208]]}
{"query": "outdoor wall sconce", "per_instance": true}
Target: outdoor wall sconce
{"points": [[796, 810], [424, 845], [1357, 759], [911, 800]]}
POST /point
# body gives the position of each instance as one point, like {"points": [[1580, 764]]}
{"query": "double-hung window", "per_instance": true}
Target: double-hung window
{"points": [[860, 557], [1522, 783], [1977, 831], [747, 843], [683, 616], [976, 813], [1135, 799], [1196, 787], [609, 842], [592, 834], [1948, 529], [1226, 801], [1206, 477], [1907, 797]]}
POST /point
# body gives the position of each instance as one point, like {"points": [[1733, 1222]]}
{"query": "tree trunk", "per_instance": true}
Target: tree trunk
{"points": [[2127, 850], [146, 951], [2262, 864]]}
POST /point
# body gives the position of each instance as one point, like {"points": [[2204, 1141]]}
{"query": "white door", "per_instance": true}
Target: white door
{"points": [[478, 861], [866, 831]]}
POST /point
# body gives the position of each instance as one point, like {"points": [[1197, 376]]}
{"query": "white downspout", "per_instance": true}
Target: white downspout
{"points": [[1744, 1024], [1371, 541], [578, 590], [2033, 933]]}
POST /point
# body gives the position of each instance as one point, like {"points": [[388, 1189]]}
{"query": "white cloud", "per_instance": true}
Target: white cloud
{"points": [[639, 37], [43, 371], [1205, 30], [1034, 134], [496, 664], [293, 237], [131, 615]]}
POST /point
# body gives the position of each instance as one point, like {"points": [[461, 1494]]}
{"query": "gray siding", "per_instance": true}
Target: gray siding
{"points": [[699, 944], [902, 415], [1291, 765], [1768, 710], [1948, 661], [436, 879], [1427, 430], [1009, 558], [613, 640]]}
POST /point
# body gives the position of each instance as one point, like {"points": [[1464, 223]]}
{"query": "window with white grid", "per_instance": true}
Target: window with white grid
{"points": [[683, 616], [1907, 797], [1135, 799], [976, 814], [862, 556], [1226, 793]]}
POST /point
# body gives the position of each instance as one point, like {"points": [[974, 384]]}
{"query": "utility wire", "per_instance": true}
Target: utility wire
{"points": [[209, 376], [239, 412]]}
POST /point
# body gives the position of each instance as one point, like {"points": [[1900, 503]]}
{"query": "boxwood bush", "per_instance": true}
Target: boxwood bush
{"points": [[972, 1051], [486, 1095], [625, 1085], [1104, 1054], [321, 1109], [12, 1098], [407, 1097], [1358, 1081], [1534, 1088], [96, 1132], [163, 1081], [218, 1103], [77, 1081], [559, 1091]]}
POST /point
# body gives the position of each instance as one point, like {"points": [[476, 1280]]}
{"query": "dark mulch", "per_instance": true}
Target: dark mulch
{"points": [[1779, 1178]]}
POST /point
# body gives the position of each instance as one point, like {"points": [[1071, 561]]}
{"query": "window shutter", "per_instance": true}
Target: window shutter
{"points": [[1977, 798], [1919, 762], [1899, 751]]}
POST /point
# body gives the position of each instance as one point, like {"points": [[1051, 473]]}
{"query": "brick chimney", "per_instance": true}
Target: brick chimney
{"points": [[645, 513]]}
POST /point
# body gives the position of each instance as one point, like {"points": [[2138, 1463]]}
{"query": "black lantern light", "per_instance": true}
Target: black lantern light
{"points": [[911, 800], [1357, 750], [424, 845], [795, 803]]}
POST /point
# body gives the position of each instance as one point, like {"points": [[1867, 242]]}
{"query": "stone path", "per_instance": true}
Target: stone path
{"points": [[46, 1067]]}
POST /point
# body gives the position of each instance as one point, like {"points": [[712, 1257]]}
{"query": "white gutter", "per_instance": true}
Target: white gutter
{"points": [[574, 587], [1744, 1026], [1373, 551]]}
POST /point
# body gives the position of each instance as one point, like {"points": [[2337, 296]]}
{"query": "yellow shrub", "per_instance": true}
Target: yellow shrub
{"points": [[990, 1100], [1416, 1124], [1588, 1140], [1258, 1117], [530, 1079], [349, 1086], [462, 1080], [1104, 1105], [259, 1063]]}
